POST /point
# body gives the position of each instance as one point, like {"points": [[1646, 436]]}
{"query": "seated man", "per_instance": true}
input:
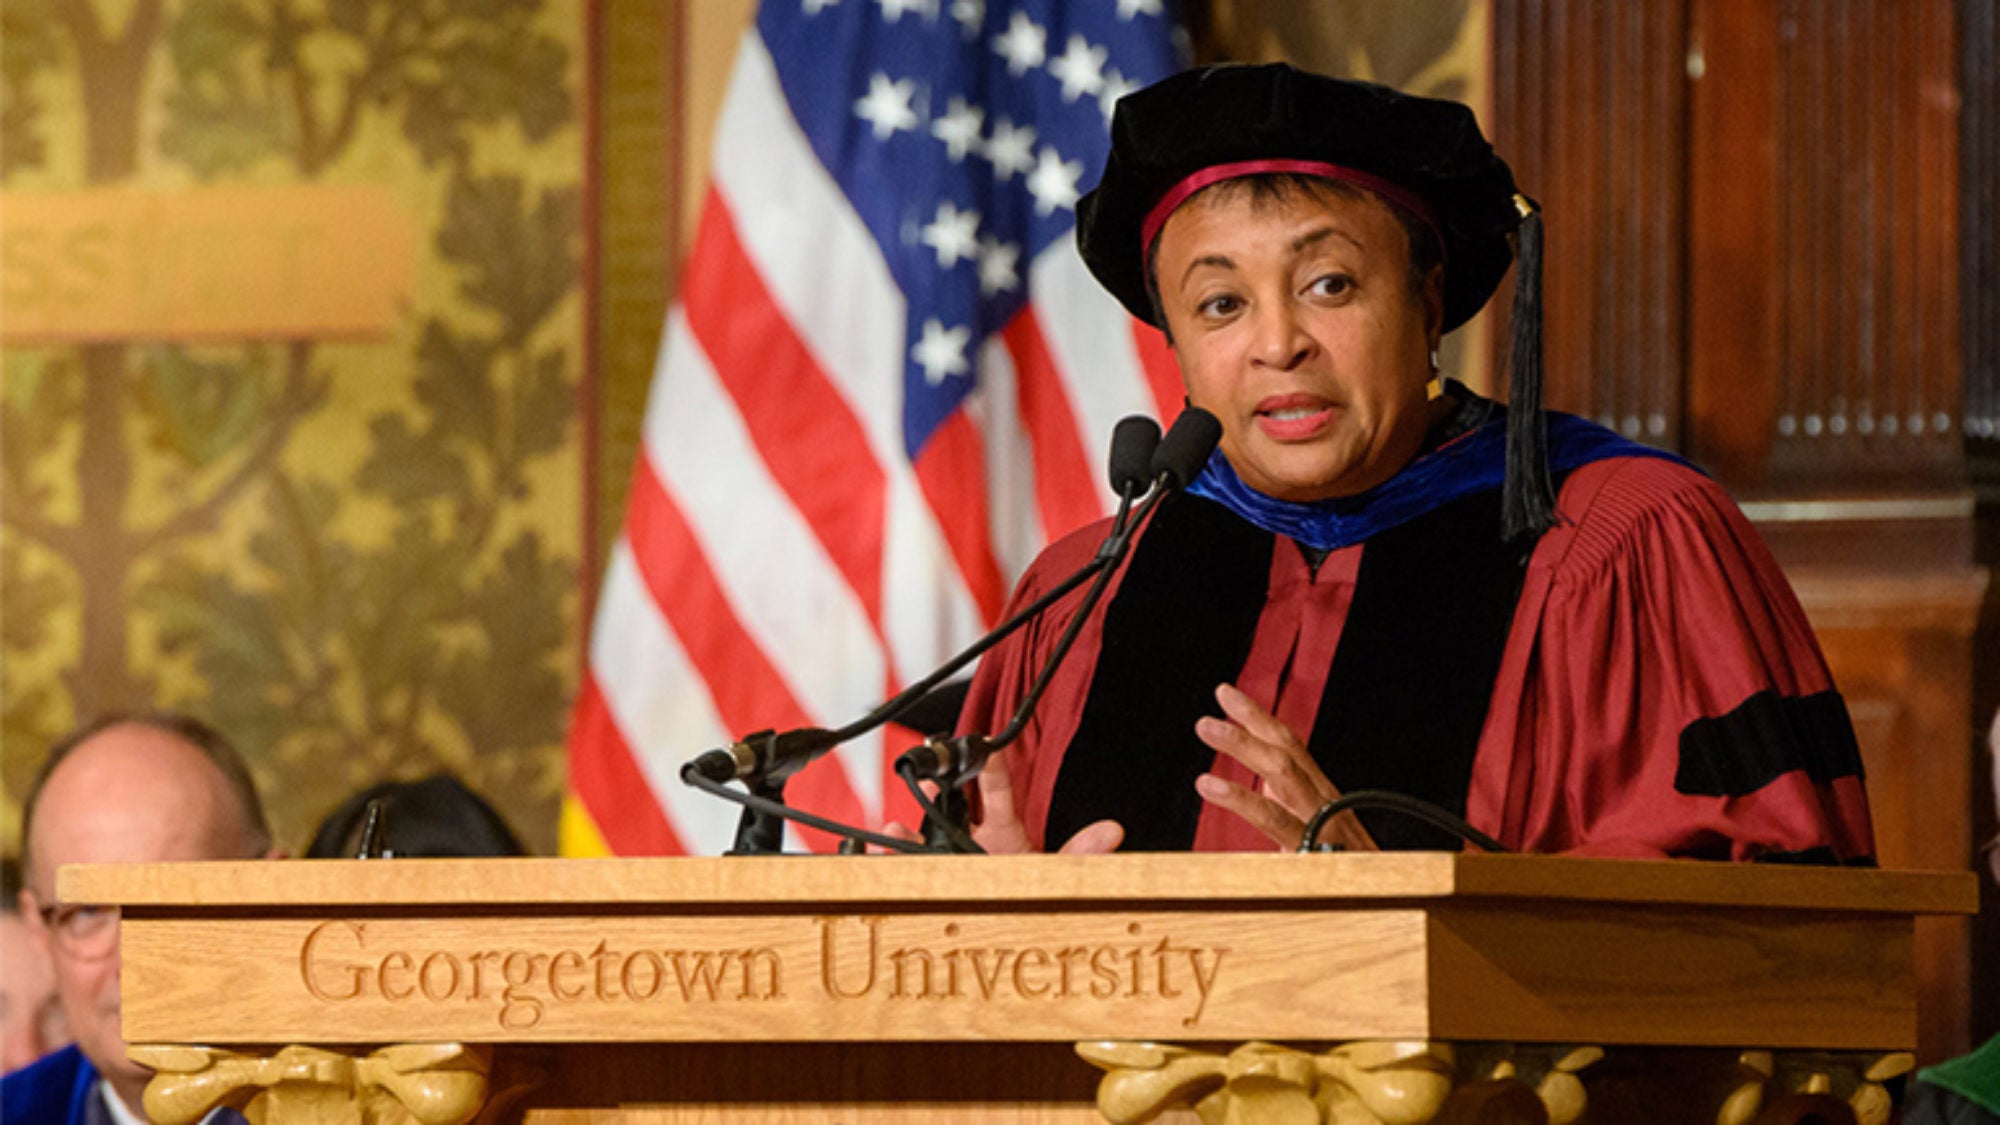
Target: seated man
{"points": [[127, 789], [31, 1019]]}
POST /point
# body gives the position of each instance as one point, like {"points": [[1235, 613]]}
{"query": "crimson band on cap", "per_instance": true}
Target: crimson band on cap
{"points": [[1215, 174]]}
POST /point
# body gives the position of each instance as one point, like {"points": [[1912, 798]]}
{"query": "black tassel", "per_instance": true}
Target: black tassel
{"points": [[1528, 505]]}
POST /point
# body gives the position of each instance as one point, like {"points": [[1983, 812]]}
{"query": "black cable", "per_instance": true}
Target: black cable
{"points": [[1393, 802], [774, 808], [772, 756]]}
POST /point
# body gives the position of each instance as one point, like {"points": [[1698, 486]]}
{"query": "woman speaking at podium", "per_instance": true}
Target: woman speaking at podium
{"points": [[1382, 581]]}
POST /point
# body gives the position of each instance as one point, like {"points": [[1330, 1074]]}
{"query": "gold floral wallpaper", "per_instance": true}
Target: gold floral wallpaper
{"points": [[292, 328]]}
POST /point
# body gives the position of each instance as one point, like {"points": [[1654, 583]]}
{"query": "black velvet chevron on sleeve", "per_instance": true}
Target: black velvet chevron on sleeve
{"points": [[1764, 738]]}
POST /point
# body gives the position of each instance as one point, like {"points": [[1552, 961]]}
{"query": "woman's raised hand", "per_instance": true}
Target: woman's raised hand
{"points": [[1290, 786]]}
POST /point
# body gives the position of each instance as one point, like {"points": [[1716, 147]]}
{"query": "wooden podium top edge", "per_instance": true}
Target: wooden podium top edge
{"points": [[1282, 880]]}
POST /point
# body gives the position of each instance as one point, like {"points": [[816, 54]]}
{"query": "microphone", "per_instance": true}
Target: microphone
{"points": [[370, 846], [1134, 442], [1186, 448], [766, 756], [1174, 464], [767, 759]]}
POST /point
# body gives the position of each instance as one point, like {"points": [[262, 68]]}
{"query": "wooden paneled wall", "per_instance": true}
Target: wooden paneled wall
{"points": [[1856, 209], [1589, 104], [1753, 209], [640, 103], [1979, 208], [1979, 317], [1753, 229], [666, 64]]}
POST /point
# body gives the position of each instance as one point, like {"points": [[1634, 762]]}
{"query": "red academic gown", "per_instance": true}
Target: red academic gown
{"points": [[1651, 612]]}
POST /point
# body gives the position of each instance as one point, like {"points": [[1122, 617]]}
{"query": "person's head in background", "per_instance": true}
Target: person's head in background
{"points": [[1993, 753], [132, 788], [437, 817], [31, 1018]]}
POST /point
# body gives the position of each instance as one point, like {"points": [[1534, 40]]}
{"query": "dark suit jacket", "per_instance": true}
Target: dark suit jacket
{"points": [[58, 1090]]}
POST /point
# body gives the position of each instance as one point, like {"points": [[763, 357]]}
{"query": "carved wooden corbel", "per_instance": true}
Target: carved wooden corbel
{"points": [[1360, 1083], [406, 1084], [1794, 1083], [1393, 1082], [1551, 1071]]}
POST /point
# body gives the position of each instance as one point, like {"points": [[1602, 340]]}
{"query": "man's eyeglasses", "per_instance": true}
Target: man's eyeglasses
{"points": [[85, 931]]}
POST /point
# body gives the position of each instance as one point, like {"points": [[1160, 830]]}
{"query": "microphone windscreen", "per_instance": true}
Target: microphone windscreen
{"points": [[1185, 449], [1133, 441]]}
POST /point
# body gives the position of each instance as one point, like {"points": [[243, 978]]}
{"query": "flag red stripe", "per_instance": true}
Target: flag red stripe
{"points": [[808, 435], [606, 778], [1065, 487], [748, 691], [951, 471], [1163, 375]]}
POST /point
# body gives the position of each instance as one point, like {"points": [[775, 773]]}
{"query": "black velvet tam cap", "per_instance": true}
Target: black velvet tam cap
{"points": [[1424, 153]]}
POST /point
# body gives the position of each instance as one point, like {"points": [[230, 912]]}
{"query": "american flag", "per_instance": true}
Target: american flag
{"points": [[887, 382]]}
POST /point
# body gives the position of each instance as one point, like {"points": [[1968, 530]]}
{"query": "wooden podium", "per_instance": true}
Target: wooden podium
{"points": [[1384, 987]]}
